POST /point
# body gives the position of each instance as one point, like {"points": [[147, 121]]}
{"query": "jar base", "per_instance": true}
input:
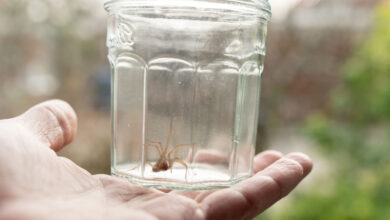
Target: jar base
{"points": [[180, 185]]}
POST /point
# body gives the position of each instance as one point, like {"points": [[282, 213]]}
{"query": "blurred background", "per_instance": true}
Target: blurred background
{"points": [[325, 91]]}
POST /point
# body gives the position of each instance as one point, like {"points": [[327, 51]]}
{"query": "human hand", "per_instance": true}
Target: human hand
{"points": [[35, 183]]}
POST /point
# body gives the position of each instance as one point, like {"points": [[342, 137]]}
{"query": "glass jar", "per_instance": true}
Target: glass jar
{"points": [[185, 90]]}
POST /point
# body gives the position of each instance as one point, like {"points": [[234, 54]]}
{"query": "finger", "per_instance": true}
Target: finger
{"points": [[302, 159], [261, 161], [210, 157], [247, 199], [264, 159], [288, 171], [54, 122]]}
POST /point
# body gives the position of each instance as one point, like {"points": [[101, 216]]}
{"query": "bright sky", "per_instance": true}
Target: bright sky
{"points": [[280, 8]]}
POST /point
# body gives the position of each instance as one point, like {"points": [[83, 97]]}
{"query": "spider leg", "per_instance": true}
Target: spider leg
{"points": [[155, 146], [149, 142], [148, 163], [177, 148], [178, 160], [169, 137]]}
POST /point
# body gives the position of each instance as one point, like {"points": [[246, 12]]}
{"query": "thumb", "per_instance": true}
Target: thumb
{"points": [[54, 121]]}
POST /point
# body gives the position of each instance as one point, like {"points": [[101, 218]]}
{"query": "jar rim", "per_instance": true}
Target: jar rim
{"points": [[262, 7]]}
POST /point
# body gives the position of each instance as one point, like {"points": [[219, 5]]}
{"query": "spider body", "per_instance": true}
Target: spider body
{"points": [[160, 165], [166, 162]]}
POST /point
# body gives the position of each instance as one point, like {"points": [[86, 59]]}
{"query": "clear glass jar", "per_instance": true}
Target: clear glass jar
{"points": [[185, 89]]}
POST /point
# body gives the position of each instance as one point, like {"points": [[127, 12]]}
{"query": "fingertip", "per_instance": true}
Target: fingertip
{"points": [[66, 119], [286, 172], [266, 158], [55, 121], [271, 153], [303, 159]]}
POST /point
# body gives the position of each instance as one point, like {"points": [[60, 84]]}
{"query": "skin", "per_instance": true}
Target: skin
{"points": [[35, 183]]}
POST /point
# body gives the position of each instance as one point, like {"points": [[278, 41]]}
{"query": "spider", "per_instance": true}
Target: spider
{"points": [[165, 162]]}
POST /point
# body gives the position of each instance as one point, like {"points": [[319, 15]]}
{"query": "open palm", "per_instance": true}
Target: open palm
{"points": [[35, 183]]}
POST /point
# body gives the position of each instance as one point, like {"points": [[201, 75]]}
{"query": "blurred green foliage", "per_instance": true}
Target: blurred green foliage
{"points": [[354, 134]]}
